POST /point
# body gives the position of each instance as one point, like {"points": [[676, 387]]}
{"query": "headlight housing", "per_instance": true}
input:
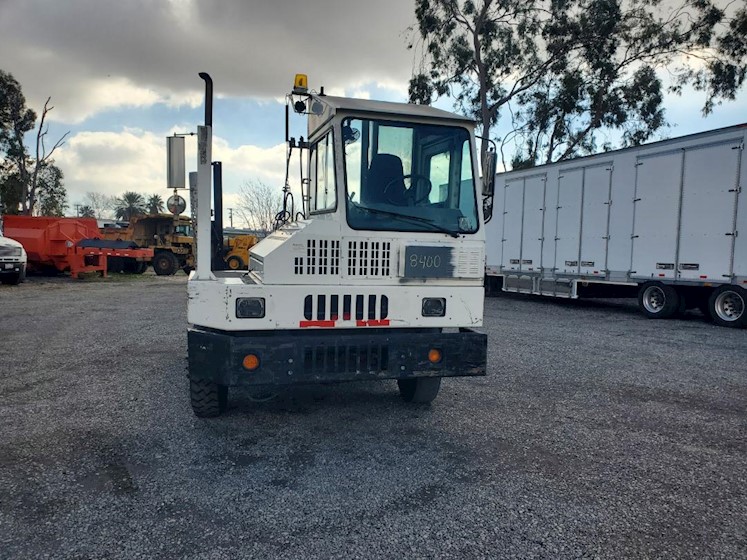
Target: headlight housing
{"points": [[434, 307], [250, 308]]}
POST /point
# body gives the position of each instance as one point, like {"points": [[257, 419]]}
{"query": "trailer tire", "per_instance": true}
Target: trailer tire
{"points": [[208, 399], [658, 301], [420, 390], [728, 306], [165, 264], [235, 263]]}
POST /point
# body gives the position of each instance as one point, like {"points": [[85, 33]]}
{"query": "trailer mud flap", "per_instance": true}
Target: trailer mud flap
{"points": [[314, 357]]}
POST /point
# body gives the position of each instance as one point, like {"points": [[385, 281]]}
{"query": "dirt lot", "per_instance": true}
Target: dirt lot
{"points": [[597, 433]]}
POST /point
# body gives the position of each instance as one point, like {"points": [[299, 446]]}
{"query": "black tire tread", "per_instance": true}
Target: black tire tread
{"points": [[208, 399], [166, 271], [420, 390]]}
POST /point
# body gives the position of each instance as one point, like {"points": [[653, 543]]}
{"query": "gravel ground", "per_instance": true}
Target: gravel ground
{"points": [[597, 433]]}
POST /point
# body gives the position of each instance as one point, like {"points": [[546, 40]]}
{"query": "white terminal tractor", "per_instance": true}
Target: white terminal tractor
{"points": [[379, 274]]}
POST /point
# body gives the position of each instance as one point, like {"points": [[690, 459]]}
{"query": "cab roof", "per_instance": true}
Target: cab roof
{"points": [[365, 107]]}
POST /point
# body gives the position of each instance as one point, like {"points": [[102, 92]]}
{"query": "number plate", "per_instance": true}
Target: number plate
{"points": [[428, 262], [8, 265]]}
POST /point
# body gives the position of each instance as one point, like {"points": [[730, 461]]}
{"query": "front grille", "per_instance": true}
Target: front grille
{"points": [[348, 307], [320, 359]]}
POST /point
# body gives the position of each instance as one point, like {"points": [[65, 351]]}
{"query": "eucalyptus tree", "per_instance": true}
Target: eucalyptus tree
{"points": [[569, 72]]}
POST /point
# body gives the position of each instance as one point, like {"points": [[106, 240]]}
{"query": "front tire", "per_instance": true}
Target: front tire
{"points": [[420, 390], [235, 263], [658, 301], [728, 306], [165, 263], [208, 399]]}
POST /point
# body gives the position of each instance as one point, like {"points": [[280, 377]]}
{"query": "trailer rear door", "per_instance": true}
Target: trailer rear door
{"points": [[658, 180], [570, 187], [708, 206], [595, 219], [534, 204], [512, 217]]}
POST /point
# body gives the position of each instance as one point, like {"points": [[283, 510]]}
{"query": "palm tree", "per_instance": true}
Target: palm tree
{"points": [[128, 205], [155, 204], [86, 211]]}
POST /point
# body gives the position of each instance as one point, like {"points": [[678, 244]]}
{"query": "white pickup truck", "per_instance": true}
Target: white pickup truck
{"points": [[12, 261]]}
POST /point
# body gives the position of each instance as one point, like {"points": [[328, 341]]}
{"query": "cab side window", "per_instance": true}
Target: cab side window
{"points": [[323, 184]]}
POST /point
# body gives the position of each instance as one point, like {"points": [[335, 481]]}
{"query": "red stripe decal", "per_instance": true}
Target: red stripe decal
{"points": [[327, 324], [373, 323]]}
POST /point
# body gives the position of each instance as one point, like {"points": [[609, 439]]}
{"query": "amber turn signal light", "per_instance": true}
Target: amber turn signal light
{"points": [[434, 355], [250, 362]]}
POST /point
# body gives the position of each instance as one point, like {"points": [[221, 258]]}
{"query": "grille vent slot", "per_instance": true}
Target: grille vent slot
{"points": [[333, 307], [346, 358], [322, 258], [369, 258]]}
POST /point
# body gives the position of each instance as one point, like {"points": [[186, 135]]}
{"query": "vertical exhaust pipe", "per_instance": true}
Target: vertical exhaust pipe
{"points": [[208, 98], [204, 181]]}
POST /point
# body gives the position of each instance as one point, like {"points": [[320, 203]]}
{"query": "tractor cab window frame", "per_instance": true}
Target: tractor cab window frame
{"points": [[405, 176], [323, 175]]}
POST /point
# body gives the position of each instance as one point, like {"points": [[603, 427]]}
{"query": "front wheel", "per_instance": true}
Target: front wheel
{"points": [[658, 301], [727, 306], [165, 263], [208, 399], [235, 262], [420, 390]]}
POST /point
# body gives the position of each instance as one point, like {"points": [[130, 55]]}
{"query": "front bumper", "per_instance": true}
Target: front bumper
{"points": [[11, 267], [290, 357]]}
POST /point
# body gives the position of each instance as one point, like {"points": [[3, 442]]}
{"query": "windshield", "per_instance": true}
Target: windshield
{"points": [[409, 177]]}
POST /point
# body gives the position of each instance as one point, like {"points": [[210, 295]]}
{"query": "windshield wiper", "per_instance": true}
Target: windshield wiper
{"points": [[426, 221]]}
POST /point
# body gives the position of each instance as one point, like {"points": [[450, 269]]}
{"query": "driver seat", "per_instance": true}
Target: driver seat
{"points": [[386, 169]]}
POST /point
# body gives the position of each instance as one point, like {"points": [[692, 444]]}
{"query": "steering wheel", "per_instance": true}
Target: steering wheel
{"points": [[410, 195]]}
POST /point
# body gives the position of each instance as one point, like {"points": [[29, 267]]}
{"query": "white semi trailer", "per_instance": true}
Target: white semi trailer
{"points": [[380, 276], [665, 221]]}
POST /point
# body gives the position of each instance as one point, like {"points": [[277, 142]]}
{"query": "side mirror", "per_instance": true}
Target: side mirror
{"points": [[489, 163]]}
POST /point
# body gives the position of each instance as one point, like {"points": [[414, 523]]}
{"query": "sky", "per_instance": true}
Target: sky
{"points": [[122, 76]]}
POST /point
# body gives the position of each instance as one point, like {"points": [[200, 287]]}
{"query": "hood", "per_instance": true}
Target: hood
{"points": [[8, 242]]}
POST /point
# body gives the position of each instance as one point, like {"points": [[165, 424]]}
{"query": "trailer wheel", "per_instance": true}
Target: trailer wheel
{"points": [[658, 301], [420, 390], [235, 263], [165, 263], [208, 399], [728, 306]]}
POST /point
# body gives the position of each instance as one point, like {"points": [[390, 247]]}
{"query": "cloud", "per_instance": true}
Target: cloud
{"points": [[135, 160], [91, 55]]}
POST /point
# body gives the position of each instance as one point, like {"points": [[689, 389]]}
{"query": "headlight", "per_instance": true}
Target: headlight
{"points": [[434, 307], [250, 307]]}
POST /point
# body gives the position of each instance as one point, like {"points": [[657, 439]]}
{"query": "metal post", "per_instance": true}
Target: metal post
{"points": [[204, 159]]}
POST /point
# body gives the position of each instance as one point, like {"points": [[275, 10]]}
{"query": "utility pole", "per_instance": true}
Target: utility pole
{"points": [[77, 210], [230, 217]]}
